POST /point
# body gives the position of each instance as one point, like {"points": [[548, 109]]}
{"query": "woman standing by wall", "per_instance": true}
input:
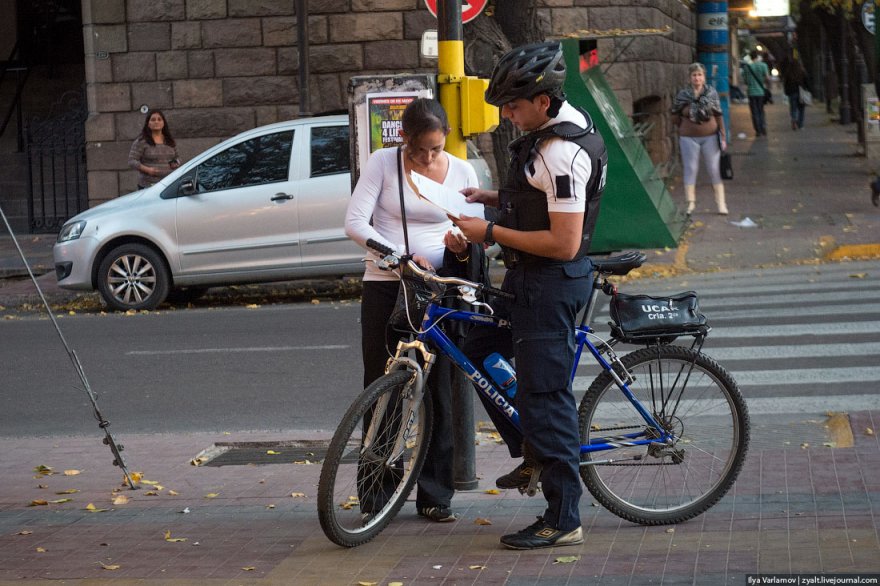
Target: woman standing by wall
{"points": [[154, 153]]}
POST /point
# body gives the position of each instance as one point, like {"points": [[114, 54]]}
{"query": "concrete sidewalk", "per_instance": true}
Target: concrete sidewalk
{"points": [[793, 510]]}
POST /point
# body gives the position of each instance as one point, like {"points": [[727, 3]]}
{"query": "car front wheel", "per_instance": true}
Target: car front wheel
{"points": [[133, 276]]}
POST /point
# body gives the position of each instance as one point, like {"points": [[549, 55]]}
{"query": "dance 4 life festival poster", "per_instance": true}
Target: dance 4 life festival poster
{"points": [[385, 112]]}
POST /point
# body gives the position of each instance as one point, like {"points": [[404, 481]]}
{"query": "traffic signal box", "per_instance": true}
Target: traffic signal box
{"points": [[637, 210]]}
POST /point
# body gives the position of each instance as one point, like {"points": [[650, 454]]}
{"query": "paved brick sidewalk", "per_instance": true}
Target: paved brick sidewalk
{"points": [[793, 510]]}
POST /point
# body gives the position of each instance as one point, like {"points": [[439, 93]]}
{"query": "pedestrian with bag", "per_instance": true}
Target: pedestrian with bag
{"points": [[547, 211], [385, 208], [757, 75], [794, 83], [696, 112]]}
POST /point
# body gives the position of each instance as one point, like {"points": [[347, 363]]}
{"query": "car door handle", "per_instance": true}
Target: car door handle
{"points": [[282, 197]]}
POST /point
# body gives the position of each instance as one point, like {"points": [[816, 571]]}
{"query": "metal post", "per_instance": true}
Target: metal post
{"points": [[450, 70], [302, 32], [713, 50], [845, 108]]}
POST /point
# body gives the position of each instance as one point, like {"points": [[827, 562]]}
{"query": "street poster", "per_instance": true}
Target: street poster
{"points": [[385, 113]]}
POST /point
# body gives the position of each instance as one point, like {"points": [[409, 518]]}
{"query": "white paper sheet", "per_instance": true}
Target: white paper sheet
{"points": [[449, 200]]}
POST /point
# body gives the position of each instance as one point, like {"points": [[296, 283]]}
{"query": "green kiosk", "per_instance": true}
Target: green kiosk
{"points": [[637, 210]]}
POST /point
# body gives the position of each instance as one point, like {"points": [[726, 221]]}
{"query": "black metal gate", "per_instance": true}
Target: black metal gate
{"points": [[56, 150]]}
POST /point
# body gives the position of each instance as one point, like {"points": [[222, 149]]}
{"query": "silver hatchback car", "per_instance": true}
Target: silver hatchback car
{"points": [[266, 205]]}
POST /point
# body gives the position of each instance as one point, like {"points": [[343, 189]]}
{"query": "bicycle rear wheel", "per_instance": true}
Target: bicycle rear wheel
{"points": [[701, 406], [365, 478]]}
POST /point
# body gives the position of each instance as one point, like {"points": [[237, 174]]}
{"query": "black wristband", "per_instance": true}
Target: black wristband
{"points": [[488, 237]]}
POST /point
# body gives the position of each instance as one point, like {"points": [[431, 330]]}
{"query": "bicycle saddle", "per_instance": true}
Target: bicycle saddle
{"points": [[620, 264]]}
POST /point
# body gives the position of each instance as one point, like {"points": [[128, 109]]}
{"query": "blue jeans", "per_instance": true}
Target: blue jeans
{"points": [[756, 106], [796, 109]]}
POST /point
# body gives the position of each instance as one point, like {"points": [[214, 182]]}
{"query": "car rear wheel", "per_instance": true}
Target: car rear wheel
{"points": [[133, 276]]}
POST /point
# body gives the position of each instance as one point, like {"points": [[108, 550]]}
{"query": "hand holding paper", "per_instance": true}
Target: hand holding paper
{"points": [[450, 201]]}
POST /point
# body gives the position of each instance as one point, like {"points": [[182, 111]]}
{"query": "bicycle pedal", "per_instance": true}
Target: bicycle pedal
{"points": [[531, 489]]}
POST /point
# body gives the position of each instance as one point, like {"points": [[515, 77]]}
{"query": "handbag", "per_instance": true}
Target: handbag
{"points": [[804, 96], [641, 318], [725, 165]]}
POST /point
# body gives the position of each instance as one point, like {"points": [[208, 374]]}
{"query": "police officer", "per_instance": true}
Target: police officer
{"points": [[547, 211]]}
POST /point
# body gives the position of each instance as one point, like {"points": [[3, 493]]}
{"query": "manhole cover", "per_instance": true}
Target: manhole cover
{"points": [[278, 452]]}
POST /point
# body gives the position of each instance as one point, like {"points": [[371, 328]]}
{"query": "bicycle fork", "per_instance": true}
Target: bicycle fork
{"points": [[409, 402]]}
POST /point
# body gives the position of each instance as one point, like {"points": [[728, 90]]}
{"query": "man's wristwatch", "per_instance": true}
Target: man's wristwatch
{"points": [[488, 237]]}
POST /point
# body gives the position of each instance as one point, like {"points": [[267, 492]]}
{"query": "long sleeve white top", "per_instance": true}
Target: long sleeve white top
{"points": [[376, 196]]}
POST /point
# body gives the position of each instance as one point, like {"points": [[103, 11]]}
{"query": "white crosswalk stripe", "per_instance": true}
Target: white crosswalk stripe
{"points": [[797, 339]]}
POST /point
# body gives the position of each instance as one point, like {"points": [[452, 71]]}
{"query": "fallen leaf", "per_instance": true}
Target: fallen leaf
{"points": [[307, 462], [59, 501], [482, 521], [362, 583], [44, 470], [38, 503], [42, 486], [120, 499], [273, 453], [212, 495], [68, 491], [173, 493], [567, 559], [25, 532], [71, 472], [869, 431], [671, 530], [316, 302], [93, 509], [476, 567], [270, 506], [173, 539], [492, 491], [298, 495], [249, 568], [150, 482], [252, 306], [135, 478], [151, 493], [185, 510], [110, 566], [858, 275], [41, 550]]}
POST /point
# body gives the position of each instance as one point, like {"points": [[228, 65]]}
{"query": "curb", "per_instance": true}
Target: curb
{"points": [[855, 251]]}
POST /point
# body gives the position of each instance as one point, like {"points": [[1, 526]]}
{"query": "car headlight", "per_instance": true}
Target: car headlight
{"points": [[71, 231]]}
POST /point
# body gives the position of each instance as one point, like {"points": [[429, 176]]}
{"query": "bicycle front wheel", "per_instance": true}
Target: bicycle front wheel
{"points": [[695, 400], [374, 459]]}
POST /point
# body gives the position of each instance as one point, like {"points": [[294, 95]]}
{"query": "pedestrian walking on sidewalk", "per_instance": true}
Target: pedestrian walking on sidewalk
{"points": [[794, 77], [153, 154], [375, 213], [696, 112], [549, 207], [757, 75]]}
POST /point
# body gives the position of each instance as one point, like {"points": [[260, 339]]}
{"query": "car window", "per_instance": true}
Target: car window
{"points": [[330, 153], [260, 160]]}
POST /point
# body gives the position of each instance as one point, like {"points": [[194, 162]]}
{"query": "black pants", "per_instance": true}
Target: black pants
{"points": [[435, 484]]}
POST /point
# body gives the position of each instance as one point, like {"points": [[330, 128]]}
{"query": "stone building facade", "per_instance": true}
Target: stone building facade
{"points": [[218, 67]]}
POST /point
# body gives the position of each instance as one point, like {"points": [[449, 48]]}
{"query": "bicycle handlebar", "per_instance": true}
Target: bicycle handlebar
{"points": [[394, 260]]}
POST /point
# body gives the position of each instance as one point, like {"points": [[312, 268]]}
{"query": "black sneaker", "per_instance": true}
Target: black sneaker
{"points": [[517, 478], [540, 534], [438, 514]]}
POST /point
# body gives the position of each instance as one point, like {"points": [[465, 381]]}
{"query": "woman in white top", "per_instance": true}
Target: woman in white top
{"points": [[376, 196]]}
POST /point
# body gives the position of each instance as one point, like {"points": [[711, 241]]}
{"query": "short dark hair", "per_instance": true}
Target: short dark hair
{"points": [[424, 115], [754, 54]]}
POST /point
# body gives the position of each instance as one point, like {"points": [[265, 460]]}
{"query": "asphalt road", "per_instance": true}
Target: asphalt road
{"points": [[291, 366], [801, 341]]}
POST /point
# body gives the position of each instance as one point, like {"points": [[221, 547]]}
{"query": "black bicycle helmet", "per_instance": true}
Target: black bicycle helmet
{"points": [[527, 71]]}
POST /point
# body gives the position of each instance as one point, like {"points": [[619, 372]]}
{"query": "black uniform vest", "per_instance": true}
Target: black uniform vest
{"points": [[523, 207]]}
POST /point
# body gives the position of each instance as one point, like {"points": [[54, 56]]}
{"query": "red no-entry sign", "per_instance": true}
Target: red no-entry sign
{"points": [[470, 9]]}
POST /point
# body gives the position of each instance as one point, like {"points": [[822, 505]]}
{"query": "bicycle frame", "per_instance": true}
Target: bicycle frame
{"points": [[432, 336]]}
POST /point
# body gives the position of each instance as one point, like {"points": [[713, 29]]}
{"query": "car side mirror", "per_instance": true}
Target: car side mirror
{"points": [[187, 187]]}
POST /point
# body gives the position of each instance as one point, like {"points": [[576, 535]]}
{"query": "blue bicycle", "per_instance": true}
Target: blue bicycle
{"points": [[664, 429]]}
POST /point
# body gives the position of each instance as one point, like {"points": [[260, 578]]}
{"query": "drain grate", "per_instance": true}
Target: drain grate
{"points": [[258, 453]]}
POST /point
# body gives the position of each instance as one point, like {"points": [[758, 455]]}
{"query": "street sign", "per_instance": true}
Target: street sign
{"points": [[470, 9]]}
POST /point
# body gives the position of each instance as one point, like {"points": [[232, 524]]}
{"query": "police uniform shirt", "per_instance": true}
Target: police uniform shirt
{"points": [[561, 168]]}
